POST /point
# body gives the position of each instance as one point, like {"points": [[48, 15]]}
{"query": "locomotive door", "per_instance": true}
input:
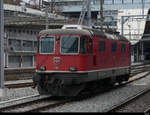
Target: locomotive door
{"points": [[86, 48]]}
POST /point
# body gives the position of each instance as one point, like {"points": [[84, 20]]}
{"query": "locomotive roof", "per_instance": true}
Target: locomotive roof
{"points": [[90, 32]]}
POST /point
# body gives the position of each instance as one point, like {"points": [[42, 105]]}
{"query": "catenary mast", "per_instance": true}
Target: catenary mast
{"points": [[1, 46]]}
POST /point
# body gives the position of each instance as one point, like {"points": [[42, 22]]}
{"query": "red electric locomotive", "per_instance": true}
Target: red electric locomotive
{"points": [[76, 57]]}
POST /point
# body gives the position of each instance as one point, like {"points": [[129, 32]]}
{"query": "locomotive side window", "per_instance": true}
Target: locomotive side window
{"points": [[113, 47], [47, 45], [123, 48], [90, 46], [85, 45], [102, 46], [69, 44]]}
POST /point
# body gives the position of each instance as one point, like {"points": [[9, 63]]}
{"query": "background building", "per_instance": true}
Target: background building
{"points": [[22, 26], [129, 17]]}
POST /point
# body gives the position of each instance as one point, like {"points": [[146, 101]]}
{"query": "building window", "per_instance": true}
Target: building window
{"points": [[35, 43], [27, 45], [10, 30], [9, 41], [27, 31], [35, 33], [19, 31], [14, 61], [108, 2], [27, 61], [118, 1], [14, 43], [23, 31], [31, 32]]}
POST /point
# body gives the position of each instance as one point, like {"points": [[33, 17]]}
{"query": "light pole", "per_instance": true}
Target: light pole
{"points": [[101, 13], [143, 3], [89, 12], [46, 17], [1, 47]]}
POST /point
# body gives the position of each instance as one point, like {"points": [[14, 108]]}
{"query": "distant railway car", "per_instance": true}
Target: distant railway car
{"points": [[74, 58]]}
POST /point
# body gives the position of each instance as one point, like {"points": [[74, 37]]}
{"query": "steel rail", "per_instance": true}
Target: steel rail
{"points": [[4, 105], [147, 110], [19, 85], [36, 105], [49, 105]]}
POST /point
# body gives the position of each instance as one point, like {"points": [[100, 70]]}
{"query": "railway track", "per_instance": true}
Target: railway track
{"points": [[117, 107], [139, 69], [38, 103], [34, 104], [17, 103]]}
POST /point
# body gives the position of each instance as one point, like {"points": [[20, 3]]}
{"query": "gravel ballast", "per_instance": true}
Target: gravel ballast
{"points": [[14, 93]]}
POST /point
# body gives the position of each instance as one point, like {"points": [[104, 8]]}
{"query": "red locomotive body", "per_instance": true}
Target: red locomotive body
{"points": [[68, 60]]}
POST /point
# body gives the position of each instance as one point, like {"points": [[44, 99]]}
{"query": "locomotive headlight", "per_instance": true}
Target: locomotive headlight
{"points": [[42, 68], [71, 68]]}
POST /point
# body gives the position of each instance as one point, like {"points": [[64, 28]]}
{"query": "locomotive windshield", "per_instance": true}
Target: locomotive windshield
{"points": [[47, 45], [69, 44]]}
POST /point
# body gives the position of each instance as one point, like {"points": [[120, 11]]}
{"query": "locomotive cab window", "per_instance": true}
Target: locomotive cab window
{"points": [[102, 46], [47, 45], [113, 47], [69, 44], [85, 45]]}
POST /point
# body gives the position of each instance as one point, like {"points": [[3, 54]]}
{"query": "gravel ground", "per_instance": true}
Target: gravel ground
{"points": [[17, 93], [105, 100]]}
